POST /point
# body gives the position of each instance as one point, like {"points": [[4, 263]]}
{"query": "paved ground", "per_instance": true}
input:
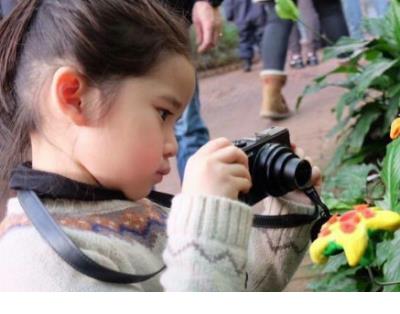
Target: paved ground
{"points": [[230, 108]]}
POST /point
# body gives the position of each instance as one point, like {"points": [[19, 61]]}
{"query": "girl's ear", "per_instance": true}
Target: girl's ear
{"points": [[68, 88]]}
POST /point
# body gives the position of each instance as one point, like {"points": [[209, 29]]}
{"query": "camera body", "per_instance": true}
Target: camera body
{"points": [[274, 168]]}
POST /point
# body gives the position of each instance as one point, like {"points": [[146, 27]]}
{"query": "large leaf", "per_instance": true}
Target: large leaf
{"points": [[351, 97], [371, 72], [391, 269], [343, 280], [349, 184], [390, 175], [392, 110], [344, 46], [394, 19], [366, 117], [286, 9]]}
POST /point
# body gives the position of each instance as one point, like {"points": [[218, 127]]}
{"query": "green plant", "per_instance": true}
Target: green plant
{"points": [[372, 97], [381, 258]]}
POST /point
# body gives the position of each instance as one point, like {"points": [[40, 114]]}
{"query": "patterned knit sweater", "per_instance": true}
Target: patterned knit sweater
{"points": [[207, 244]]}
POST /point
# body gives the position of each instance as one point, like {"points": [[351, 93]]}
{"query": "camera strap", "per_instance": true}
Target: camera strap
{"points": [[52, 233], [259, 221], [66, 249]]}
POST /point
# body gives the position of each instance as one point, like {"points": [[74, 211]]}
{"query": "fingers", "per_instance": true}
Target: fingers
{"points": [[299, 152], [232, 154], [207, 38], [316, 177], [214, 145], [240, 171], [243, 185], [199, 33]]}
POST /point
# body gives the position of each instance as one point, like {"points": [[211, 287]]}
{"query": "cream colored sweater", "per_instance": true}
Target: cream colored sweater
{"points": [[207, 244]]}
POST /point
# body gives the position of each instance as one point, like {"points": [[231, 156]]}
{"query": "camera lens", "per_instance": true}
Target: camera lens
{"points": [[279, 170]]}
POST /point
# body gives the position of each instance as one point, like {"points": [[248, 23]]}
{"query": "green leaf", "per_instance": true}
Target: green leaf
{"points": [[286, 9], [394, 19], [348, 184], [376, 26], [346, 45], [390, 175], [343, 280], [382, 250], [345, 100], [372, 55], [391, 269], [392, 110], [367, 116], [372, 71], [334, 263]]}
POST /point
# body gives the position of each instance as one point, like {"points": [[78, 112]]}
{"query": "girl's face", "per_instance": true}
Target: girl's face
{"points": [[129, 149]]}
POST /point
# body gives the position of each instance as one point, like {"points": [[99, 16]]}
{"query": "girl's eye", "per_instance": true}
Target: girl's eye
{"points": [[164, 114]]}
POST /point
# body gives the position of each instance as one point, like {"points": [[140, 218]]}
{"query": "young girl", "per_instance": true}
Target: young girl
{"points": [[90, 92]]}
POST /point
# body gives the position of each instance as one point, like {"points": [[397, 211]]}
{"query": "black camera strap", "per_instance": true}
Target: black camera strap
{"points": [[65, 248], [259, 221], [52, 233]]}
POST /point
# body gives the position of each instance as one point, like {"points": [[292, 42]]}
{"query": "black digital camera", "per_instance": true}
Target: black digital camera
{"points": [[275, 169]]}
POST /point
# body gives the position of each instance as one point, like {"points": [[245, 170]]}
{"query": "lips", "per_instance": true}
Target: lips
{"points": [[164, 171]]}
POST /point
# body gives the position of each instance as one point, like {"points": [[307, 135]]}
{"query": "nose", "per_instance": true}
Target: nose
{"points": [[171, 145]]}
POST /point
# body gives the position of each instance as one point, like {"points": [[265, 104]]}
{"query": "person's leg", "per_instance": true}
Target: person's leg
{"points": [[332, 21], [353, 15], [246, 40], [274, 51], [275, 40], [191, 132], [296, 59], [310, 40]]}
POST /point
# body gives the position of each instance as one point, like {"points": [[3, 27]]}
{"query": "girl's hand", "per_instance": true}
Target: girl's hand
{"points": [[218, 168]]}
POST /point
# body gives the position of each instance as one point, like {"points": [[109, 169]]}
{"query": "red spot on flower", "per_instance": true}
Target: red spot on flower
{"points": [[347, 227], [360, 207], [324, 232], [333, 219], [368, 213], [351, 216]]}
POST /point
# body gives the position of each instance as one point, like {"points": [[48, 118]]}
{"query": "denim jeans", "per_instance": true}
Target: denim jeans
{"points": [[353, 15], [191, 132], [380, 6]]}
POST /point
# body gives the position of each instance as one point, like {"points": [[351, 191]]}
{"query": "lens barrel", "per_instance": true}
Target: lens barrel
{"points": [[280, 170]]}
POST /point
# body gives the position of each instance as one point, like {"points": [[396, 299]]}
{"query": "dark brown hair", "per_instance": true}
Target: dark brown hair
{"points": [[106, 39]]}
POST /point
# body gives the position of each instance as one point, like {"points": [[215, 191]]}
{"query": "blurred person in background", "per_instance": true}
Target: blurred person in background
{"points": [[304, 40], [275, 46], [249, 18]]}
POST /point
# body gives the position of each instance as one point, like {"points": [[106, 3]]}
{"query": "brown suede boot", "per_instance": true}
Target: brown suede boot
{"points": [[273, 104]]}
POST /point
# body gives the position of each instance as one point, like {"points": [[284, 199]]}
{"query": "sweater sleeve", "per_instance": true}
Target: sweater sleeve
{"points": [[275, 254], [207, 244]]}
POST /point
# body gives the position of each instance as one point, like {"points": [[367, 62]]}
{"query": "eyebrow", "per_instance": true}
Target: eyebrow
{"points": [[176, 103]]}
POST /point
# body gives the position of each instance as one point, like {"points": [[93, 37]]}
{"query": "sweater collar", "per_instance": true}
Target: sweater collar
{"points": [[54, 186]]}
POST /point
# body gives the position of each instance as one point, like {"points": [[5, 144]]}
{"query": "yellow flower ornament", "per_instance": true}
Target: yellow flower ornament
{"points": [[349, 232], [395, 129]]}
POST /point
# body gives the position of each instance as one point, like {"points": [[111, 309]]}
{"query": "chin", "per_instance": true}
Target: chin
{"points": [[135, 195]]}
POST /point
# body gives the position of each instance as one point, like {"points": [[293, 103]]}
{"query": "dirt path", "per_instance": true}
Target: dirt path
{"points": [[230, 108]]}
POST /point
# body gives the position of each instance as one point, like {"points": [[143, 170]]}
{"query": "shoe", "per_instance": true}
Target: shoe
{"points": [[247, 65], [296, 62], [273, 104], [312, 59]]}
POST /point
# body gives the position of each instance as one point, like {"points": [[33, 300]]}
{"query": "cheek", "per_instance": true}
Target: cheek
{"points": [[121, 158]]}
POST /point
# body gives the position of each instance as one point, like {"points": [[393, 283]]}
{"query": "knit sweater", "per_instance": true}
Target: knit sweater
{"points": [[207, 244]]}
